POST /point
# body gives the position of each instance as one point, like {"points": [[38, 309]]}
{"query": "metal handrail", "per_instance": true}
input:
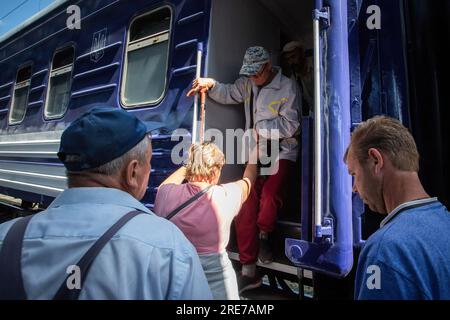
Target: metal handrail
{"points": [[317, 131], [197, 75]]}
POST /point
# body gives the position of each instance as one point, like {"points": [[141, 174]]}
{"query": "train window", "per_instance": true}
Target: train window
{"points": [[58, 94], [146, 59], [20, 96]]}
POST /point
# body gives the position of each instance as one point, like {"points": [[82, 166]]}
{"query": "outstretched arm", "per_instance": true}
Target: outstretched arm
{"points": [[250, 175], [233, 93], [176, 178]]}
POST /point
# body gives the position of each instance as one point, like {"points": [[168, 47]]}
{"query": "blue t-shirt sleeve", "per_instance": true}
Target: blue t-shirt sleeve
{"points": [[375, 280]]}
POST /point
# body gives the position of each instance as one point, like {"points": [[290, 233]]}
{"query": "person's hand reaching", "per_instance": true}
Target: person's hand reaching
{"points": [[201, 85]]}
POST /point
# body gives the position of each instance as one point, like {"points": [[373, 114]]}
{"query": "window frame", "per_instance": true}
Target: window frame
{"points": [[20, 85], [138, 44], [59, 71]]}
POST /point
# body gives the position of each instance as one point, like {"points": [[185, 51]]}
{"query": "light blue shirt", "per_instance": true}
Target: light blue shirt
{"points": [[148, 258]]}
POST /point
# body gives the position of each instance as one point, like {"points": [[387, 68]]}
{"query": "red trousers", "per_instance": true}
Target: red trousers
{"points": [[259, 211]]}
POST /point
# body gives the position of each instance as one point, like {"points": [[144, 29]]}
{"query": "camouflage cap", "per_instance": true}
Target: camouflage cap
{"points": [[254, 59]]}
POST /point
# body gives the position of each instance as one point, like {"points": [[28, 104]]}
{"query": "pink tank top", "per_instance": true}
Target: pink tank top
{"points": [[205, 222]]}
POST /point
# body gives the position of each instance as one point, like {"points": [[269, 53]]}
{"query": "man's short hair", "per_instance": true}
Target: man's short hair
{"points": [[388, 136]]}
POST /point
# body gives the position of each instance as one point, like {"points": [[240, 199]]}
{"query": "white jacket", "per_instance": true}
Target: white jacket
{"points": [[275, 106]]}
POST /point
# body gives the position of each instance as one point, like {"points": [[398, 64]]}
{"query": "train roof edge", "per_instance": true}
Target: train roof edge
{"points": [[8, 35]]}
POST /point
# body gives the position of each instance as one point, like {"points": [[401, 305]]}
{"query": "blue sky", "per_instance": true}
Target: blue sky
{"points": [[14, 12]]}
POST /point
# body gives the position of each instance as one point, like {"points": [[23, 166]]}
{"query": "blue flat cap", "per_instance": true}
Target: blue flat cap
{"points": [[98, 137]]}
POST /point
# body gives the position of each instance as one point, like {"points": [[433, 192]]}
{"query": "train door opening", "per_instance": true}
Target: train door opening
{"points": [[236, 25]]}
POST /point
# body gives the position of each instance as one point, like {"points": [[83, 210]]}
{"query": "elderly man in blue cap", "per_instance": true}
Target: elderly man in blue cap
{"points": [[96, 240], [272, 104]]}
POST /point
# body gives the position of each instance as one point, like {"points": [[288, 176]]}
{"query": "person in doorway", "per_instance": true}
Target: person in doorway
{"points": [[295, 65], [271, 103], [206, 222], [96, 240], [409, 256]]}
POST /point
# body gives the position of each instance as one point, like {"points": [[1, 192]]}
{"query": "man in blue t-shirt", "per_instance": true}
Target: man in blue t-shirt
{"points": [[409, 256]]}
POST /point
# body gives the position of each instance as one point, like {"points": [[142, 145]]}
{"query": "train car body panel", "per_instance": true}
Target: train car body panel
{"points": [[100, 47]]}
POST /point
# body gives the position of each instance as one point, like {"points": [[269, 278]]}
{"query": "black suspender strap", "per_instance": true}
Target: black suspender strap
{"points": [[185, 204], [64, 293], [11, 282]]}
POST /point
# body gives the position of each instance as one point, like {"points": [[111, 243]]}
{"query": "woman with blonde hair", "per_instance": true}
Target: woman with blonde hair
{"points": [[204, 210]]}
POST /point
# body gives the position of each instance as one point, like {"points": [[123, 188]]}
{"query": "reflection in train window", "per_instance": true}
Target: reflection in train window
{"points": [[146, 59], [20, 96], [58, 94]]}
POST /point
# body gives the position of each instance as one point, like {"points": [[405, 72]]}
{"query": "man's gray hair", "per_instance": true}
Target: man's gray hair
{"points": [[112, 168]]}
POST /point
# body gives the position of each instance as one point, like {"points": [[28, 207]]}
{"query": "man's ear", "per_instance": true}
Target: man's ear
{"points": [[376, 158], [131, 174]]}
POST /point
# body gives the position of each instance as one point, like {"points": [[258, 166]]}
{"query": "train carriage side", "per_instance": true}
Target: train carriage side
{"points": [[52, 74]]}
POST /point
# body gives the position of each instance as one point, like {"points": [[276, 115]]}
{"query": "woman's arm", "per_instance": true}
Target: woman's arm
{"points": [[248, 180], [251, 171], [176, 178]]}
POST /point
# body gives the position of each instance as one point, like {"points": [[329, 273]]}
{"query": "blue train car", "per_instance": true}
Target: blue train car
{"points": [[142, 55]]}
